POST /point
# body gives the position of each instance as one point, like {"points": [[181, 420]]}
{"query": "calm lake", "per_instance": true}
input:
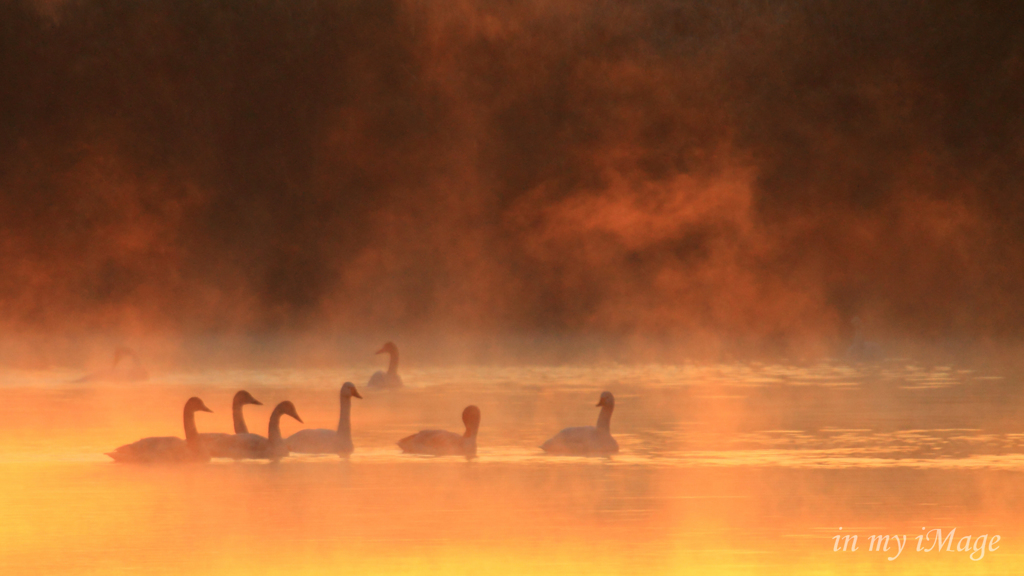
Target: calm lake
{"points": [[741, 468]]}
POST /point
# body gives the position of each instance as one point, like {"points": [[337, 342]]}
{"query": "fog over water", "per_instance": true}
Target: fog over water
{"points": [[740, 468], [787, 236], [734, 172]]}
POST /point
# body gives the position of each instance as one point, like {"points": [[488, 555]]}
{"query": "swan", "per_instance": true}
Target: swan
{"points": [[861, 349], [587, 440], [443, 442], [273, 447], [389, 379], [222, 445], [323, 441], [133, 372], [168, 448]]}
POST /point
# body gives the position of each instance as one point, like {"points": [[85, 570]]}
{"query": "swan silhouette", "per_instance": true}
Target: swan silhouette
{"points": [[273, 447], [120, 372], [389, 379], [587, 440], [323, 441], [443, 442], [861, 349], [168, 448], [221, 445]]}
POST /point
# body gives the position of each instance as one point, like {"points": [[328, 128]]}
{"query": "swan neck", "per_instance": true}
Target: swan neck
{"points": [[393, 362], [236, 415], [345, 418], [604, 419], [191, 434], [274, 430], [471, 430]]}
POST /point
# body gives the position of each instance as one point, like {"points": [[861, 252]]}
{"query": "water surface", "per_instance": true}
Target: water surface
{"points": [[734, 469]]}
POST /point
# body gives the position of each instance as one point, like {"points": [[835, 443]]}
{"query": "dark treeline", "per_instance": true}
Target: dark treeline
{"points": [[738, 168]]}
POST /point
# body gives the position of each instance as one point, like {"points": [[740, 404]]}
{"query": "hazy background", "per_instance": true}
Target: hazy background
{"points": [[751, 173]]}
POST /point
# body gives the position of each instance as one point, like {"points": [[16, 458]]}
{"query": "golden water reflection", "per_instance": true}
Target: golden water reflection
{"points": [[746, 469]]}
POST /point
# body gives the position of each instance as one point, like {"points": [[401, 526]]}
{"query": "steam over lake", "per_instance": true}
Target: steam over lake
{"points": [[734, 468]]}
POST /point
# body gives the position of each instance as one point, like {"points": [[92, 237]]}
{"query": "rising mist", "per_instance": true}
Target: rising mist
{"points": [[758, 171]]}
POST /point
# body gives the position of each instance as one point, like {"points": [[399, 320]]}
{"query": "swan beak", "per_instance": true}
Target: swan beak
{"points": [[256, 402], [381, 351], [203, 408], [356, 394], [299, 419]]}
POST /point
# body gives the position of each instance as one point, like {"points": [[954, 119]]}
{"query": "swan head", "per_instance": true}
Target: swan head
{"points": [[288, 408], [242, 398], [606, 399], [471, 418], [348, 390], [194, 404], [389, 348]]}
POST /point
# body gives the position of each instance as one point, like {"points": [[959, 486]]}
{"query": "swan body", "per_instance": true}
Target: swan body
{"points": [[272, 447], [861, 349], [587, 440], [237, 445], [443, 442], [169, 449], [119, 372], [389, 379], [323, 441]]}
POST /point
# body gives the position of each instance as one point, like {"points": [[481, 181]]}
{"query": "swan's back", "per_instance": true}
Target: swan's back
{"points": [[381, 379], [119, 371], [213, 441], [864, 351], [434, 442], [318, 441], [159, 449], [244, 445], [581, 441], [132, 374]]}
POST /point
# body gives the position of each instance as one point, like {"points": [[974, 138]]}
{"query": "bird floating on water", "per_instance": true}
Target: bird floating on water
{"points": [[861, 349], [389, 379], [587, 440], [168, 448], [272, 446], [131, 371], [323, 441], [221, 445], [443, 442]]}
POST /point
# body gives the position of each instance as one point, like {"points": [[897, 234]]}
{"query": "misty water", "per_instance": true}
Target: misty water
{"points": [[743, 468], [254, 195]]}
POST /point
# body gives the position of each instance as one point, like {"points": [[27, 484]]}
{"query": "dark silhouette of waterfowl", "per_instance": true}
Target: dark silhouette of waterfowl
{"points": [[323, 441], [443, 442], [221, 445], [587, 440], [272, 447], [168, 448], [129, 371], [389, 379]]}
